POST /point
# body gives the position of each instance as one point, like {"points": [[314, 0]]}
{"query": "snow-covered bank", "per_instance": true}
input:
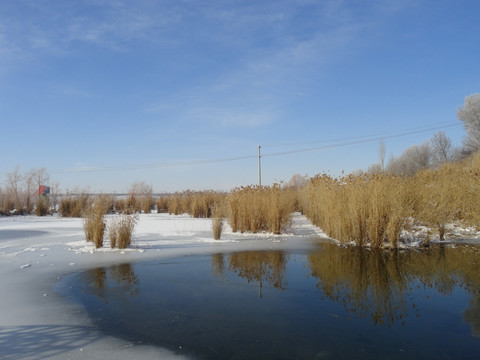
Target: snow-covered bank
{"points": [[35, 253]]}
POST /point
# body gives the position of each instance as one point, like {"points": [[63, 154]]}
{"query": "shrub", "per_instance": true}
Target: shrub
{"points": [[113, 232], [125, 226], [162, 204], [42, 206], [94, 223], [217, 224], [75, 205]]}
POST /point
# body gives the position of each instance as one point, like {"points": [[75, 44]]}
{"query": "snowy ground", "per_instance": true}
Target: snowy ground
{"points": [[35, 253]]}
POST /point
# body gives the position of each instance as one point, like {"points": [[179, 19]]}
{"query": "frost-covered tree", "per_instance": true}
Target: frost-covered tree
{"points": [[442, 150], [376, 168], [413, 159], [469, 114], [297, 181]]}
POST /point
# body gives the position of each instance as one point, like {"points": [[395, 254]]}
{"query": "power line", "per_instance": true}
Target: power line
{"points": [[418, 129], [358, 142], [340, 143]]}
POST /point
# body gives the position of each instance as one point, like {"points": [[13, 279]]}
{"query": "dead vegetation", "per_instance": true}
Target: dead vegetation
{"points": [[121, 230], [373, 209], [257, 209]]}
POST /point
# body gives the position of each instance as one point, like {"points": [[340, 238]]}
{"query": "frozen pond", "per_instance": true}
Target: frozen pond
{"points": [[327, 303]]}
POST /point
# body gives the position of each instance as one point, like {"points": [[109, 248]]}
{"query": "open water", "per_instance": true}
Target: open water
{"points": [[331, 303]]}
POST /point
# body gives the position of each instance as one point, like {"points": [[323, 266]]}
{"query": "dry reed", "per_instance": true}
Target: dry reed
{"points": [[42, 206], [364, 209], [125, 227], [74, 205], [373, 209], [258, 209], [94, 223]]}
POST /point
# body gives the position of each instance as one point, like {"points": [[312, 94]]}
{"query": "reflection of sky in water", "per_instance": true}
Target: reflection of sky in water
{"points": [[335, 302]]}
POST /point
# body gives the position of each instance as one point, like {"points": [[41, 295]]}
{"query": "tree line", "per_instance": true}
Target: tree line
{"points": [[439, 149]]}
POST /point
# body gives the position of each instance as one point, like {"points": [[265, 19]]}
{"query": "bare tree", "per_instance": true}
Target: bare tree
{"points": [[413, 159], [14, 180], [375, 168], [2, 199], [297, 181], [29, 180], [469, 114], [442, 150], [140, 197]]}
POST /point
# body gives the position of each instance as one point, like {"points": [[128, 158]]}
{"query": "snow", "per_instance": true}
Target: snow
{"points": [[37, 322]]}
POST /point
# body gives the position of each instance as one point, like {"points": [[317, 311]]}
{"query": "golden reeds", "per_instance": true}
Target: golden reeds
{"points": [[94, 223], [373, 209], [125, 226], [364, 209], [258, 209], [74, 206]]}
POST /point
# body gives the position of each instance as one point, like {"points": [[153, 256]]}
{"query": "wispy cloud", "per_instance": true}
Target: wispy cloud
{"points": [[258, 55], [272, 61]]}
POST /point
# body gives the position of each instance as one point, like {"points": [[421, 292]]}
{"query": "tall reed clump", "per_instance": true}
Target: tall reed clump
{"points": [[199, 204], [42, 206], [217, 221], [94, 223], [364, 209], [121, 230], [449, 194], [258, 209], [162, 204], [74, 205], [113, 232]]}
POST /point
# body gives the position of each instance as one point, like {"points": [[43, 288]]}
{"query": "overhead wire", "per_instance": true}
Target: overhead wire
{"points": [[338, 144]]}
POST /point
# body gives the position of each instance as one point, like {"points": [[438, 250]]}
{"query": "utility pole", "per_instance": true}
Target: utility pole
{"points": [[259, 168]]}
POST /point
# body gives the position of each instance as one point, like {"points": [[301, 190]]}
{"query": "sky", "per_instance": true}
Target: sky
{"points": [[180, 94]]}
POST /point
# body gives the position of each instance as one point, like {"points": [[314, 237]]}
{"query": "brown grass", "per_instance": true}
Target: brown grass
{"points": [[162, 204], [199, 204], [218, 218], [94, 223], [364, 209], [113, 232], [258, 209], [125, 227], [449, 194], [373, 209], [42, 206], [74, 206]]}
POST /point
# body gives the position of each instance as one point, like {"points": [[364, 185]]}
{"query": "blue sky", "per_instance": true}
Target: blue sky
{"points": [[116, 85]]}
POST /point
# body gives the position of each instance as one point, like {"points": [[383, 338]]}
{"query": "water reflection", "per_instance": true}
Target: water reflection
{"points": [[334, 302], [119, 276], [255, 266], [378, 285], [472, 315], [372, 284]]}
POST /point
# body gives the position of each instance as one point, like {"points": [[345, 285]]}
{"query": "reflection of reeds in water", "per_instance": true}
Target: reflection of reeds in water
{"points": [[218, 264], [124, 275], [375, 283], [121, 275], [268, 267], [472, 315]]}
